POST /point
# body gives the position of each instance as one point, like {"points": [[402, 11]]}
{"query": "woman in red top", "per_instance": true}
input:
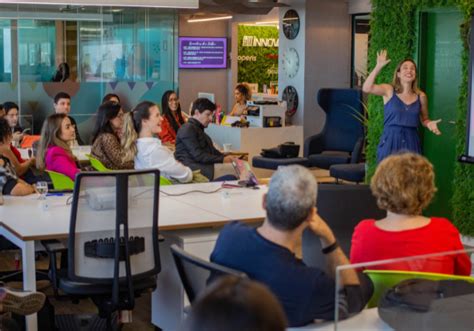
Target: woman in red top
{"points": [[172, 117], [403, 185]]}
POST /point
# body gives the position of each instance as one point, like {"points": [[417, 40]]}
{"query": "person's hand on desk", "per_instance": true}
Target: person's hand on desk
{"points": [[228, 159]]}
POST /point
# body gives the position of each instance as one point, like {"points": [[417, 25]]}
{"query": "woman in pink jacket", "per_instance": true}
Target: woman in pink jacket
{"points": [[54, 152]]}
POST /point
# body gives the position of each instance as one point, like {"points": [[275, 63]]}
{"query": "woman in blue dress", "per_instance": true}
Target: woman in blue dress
{"points": [[405, 105]]}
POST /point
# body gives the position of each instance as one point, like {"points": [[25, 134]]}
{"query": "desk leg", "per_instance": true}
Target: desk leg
{"points": [[169, 299], [29, 279], [29, 270]]}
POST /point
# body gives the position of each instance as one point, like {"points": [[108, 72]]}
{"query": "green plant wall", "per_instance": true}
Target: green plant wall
{"points": [[393, 26], [258, 63]]}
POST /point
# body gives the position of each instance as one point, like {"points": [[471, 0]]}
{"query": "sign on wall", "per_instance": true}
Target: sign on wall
{"points": [[258, 56]]}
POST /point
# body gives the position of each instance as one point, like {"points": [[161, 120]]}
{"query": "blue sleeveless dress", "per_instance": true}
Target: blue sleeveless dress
{"points": [[400, 128]]}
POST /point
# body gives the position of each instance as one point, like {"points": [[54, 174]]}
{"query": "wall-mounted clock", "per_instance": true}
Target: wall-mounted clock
{"points": [[291, 24], [290, 62], [290, 95]]}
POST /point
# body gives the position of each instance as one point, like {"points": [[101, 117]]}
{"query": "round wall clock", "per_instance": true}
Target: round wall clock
{"points": [[290, 62], [290, 95], [291, 24]]}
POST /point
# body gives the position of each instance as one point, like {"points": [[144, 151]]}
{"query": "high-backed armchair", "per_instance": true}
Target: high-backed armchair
{"points": [[341, 139]]}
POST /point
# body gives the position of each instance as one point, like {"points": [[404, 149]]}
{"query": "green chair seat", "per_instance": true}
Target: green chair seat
{"points": [[386, 279], [99, 166], [60, 181], [96, 164]]}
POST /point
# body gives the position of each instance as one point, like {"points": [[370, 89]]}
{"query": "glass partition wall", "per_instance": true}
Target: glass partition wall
{"points": [[86, 52]]}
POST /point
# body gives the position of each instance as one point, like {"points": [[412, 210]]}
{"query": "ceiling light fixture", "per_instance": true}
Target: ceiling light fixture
{"points": [[267, 23], [196, 20]]}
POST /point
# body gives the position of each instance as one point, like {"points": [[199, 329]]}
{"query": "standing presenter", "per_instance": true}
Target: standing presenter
{"points": [[404, 106]]}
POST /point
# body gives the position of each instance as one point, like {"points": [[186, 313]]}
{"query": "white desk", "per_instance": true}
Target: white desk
{"points": [[366, 320], [190, 220], [252, 140]]}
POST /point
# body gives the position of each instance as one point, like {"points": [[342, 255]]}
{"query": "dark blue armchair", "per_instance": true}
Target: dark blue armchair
{"points": [[342, 137]]}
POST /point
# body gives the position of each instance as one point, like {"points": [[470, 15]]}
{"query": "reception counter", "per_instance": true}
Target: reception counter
{"points": [[252, 140]]}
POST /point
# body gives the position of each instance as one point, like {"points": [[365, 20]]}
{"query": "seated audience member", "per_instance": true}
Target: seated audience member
{"points": [[111, 97], [267, 253], [9, 151], [172, 117], [144, 123], [235, 304], [11, 184], [242, 94], [62, 105], [12, 115], [194, 147], [404, 185], [106, 138], [2, 111], [54, 152]]}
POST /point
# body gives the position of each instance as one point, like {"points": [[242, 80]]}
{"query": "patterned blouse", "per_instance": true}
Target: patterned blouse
{"points": [[107, 149]]}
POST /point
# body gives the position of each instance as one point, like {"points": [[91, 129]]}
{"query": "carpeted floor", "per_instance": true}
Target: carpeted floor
{"points": [[141, 315]]}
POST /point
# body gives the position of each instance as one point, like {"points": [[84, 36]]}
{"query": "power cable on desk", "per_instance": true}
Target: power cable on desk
{"points": [[192, 191], [224, 185]]}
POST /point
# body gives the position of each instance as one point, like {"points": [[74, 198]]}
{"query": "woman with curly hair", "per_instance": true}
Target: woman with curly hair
{"points": [[404, 185]]}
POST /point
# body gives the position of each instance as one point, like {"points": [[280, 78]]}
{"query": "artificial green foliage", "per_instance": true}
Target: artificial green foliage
{"points": [[264, 70], [393, 27]]}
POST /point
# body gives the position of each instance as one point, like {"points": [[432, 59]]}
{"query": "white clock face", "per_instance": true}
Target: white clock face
{"points": [[290, 62]]}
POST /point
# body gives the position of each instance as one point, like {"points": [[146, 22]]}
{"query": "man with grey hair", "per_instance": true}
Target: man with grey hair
{"points": [[267, 253]]}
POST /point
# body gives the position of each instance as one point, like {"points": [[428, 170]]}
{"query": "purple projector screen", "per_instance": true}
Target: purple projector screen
{"points": [[194, 52]]}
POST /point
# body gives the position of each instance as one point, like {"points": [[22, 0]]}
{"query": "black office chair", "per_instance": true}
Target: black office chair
{"points": [[113, 251], [342, 206], [196, 273]]}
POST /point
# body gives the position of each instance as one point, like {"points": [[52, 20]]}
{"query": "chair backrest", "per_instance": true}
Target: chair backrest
{"points": [[60, 181], [358, 204], [104, 247], [386, 279], [342, 128], [96, 164], [196, 273]]}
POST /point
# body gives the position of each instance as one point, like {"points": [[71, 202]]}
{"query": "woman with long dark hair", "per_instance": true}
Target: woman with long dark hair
{"points": [[172, 117], [106, 145]]}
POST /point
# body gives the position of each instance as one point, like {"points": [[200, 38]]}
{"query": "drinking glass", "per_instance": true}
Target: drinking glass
{"points": [[42, 188]]}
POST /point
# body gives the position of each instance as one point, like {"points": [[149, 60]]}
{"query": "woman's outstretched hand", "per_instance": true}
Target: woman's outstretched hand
{"points": [[433, 127], [382, 58]]}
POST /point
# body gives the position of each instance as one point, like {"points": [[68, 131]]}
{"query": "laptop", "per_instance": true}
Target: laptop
{"points": [[244, 173]]}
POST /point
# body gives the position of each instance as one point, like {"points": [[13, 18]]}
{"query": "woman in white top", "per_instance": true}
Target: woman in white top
{"points": [[149, 153]]}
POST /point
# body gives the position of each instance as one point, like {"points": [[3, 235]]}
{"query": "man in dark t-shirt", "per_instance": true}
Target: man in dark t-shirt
{"points": [[267, 253]]}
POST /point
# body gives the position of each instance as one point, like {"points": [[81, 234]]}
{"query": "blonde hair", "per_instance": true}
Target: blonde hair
{"points": [[397, 86], [50, 136], [129, 138], [404, 184]]}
